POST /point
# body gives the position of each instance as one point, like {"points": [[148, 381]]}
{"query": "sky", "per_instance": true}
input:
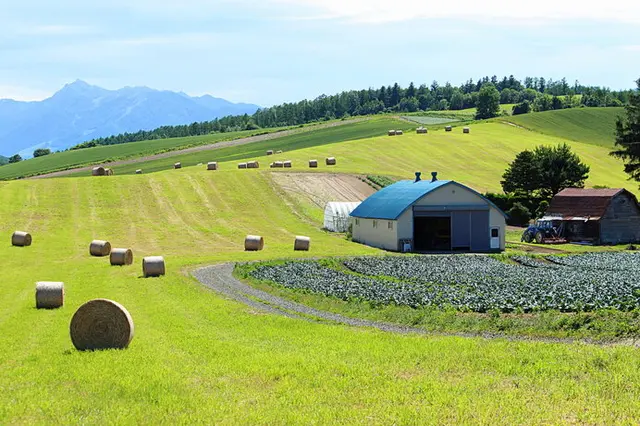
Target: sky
{"points": [[272, 51]]}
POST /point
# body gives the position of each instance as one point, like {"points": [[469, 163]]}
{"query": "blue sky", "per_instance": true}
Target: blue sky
{"points": [[274, 51]]}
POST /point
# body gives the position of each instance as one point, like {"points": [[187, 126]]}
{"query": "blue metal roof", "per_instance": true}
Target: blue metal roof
{"points": [[390, 202]]}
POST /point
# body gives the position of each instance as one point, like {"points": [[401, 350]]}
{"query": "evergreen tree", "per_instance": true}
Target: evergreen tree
{"points": [[628, 136]]}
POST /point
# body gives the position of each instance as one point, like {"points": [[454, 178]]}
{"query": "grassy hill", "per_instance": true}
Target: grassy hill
{"points": [[199, 358], [589, 125]]}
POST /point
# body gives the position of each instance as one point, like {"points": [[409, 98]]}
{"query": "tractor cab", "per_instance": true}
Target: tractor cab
{"points": [[547, 230]]}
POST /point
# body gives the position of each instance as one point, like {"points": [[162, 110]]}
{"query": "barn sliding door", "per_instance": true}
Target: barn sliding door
{"points": [[480, 231], [461, 230]]}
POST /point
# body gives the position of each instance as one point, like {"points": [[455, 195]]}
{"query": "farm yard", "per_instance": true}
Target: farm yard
{"points": [[198, 356]]}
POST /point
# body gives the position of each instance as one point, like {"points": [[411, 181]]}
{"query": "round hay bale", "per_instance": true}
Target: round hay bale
{"points": [[177, 166], [49, 295], [270, 152], [101, 324], [302, 243], [465, 130], [108, 172], [98, 171], [392, 133], [253, 243], [100, 248], [399, 133], [331, 161], [313, 163], [121, 257], [253, 165], [448, 128], [212, 165], [278, 164], [139, 171], [21, 239], [242, 165], [272, 165], [421, 130], [286, 164], [279, 152], [153, 266]]}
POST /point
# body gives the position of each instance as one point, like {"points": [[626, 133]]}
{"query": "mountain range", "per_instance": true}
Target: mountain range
{"points": [[79, 112]]}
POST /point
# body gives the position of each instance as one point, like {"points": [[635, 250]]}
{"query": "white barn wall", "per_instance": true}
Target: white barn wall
{"points": [[381, 237]]}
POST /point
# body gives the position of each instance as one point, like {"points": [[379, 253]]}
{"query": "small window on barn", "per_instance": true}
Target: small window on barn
{"points": [[494, 233], [375, 223], [357, 222], [390, 225]]}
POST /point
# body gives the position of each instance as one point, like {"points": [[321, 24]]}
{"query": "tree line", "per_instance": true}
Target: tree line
{"points": [[532, 94]]}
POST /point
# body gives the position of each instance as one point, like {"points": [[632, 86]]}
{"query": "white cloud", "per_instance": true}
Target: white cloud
{"points": [[378, 11], [20, 93], [631, 48]]}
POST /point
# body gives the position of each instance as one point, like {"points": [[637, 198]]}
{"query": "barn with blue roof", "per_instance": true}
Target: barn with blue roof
{"points": [[429, 216]]}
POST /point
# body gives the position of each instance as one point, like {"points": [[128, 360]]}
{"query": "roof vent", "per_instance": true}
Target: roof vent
{"points": [[434, 176], [418, 177]]}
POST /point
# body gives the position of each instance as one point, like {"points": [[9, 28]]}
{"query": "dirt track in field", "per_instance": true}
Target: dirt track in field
{"points": [[320, 188], [220, 279], [217, 145]]}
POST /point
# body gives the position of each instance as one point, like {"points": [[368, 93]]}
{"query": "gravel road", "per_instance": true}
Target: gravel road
{"points": [[220, 279]]}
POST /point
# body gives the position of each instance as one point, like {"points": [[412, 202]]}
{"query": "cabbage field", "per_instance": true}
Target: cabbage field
{"points": [[471, 283]]}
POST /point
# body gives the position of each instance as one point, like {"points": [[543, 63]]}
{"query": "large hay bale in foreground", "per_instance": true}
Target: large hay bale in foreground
{"points": [[313, 163], [270, 152], [98, 171], [448, 128], [121, 257], [21, 239], [465, 130], [100, 248], [139, 171], [391, 133], [253, 165], [101, 324], [212, 165], [242, 165], [302, 243], [253, 243], [49, 295], [153, 266], [330, 161], [177, 166], [421, 130], [286, 164]]}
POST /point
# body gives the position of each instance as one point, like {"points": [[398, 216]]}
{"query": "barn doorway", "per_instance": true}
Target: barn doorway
{"points": [[432, 233]]}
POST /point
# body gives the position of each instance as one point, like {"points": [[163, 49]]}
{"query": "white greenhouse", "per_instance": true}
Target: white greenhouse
{"points": [[336, 215]]}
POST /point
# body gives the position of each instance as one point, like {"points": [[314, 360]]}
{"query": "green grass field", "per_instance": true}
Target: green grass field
{"points": [[199, 358], [289, 144], [589, 125]]}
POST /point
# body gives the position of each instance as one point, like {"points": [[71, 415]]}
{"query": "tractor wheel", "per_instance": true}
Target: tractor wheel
{"points": [[527, 237], [539, 237]]}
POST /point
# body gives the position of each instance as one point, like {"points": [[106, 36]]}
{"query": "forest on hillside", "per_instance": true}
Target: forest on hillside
{"points": [[532, 94]]}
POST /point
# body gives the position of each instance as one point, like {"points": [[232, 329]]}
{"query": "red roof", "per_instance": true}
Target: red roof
{"points": [[582, 203]]}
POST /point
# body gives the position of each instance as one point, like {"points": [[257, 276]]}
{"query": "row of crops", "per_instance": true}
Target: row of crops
{"points": [[471, 283]]}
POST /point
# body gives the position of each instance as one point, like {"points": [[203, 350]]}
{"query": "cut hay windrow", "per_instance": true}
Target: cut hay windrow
{"points": [[253, 243], [153, 266], [101, 324], [21, 239], [121, 257], [49, 295], [100, 248]]}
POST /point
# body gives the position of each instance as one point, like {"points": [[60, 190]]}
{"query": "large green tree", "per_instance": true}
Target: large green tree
{"points": [[544, 172], [40, 152], [15, 158], [628, 136], [488, 102]]}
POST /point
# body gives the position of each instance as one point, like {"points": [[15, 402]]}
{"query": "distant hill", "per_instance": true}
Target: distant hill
{"points": [[590, 125], [80, 111], [3, 160]]}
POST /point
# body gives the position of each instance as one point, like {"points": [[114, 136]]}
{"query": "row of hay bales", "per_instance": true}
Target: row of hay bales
{"points": [[450, 128], [99, 323], [101, 171], [270, 152], [152, 266], [395, 133], [256, 243]]}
